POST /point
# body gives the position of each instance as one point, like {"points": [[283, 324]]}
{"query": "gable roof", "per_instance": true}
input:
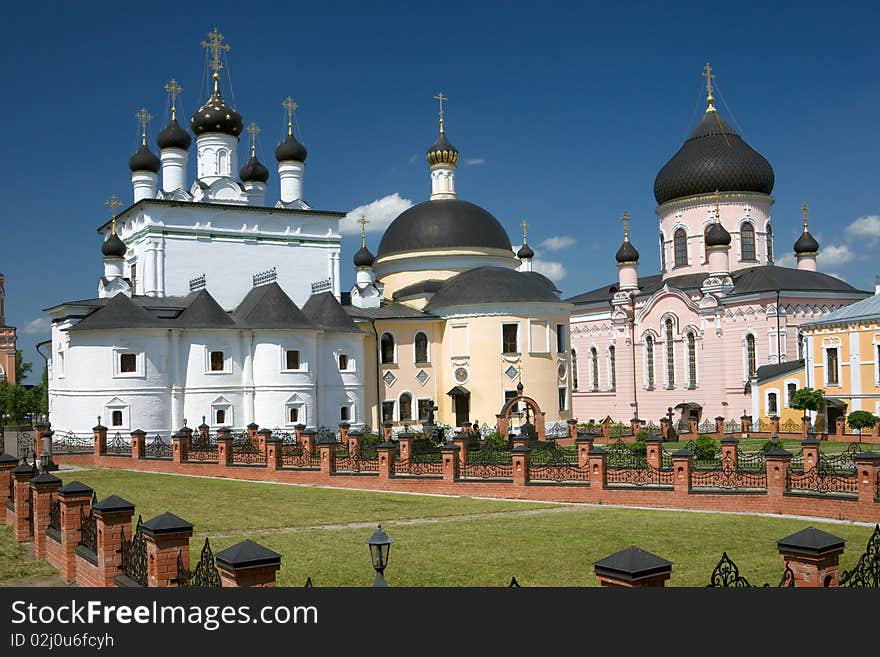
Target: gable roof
{"points": [[766, 372], [866, 309], [269, 307], [120, 312], [204, 312], [325, 312]]}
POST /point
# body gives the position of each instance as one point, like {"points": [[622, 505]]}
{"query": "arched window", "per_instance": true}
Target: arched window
{"points": [[769, 237], [405, 407], [221, 162], [670, 355], [649, 361], [662, 254], [750, 355], [574, 370], [421, 347], [681, 248], [772, 406], [706, 243], [612, 368], [790, 388], [747, 235], [387, 348], [692, 359], [594, 364]]}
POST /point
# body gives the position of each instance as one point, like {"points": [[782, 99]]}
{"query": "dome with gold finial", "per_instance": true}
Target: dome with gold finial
{"points": [[216, 115], [442, 152], [806, 243]]}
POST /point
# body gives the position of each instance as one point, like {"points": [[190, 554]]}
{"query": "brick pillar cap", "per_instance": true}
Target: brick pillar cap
{"points": [[388, 424], [224, 430], [185, 429], [635, 419], [344, 425], [654, 438], [405, 434], [45, 479], [72, 488], [682, 453], [23, 469], [597, 450], [113, 504], [167, 523], [203, 426], [584, 438], [246, 554], [730, 439], [778, 451], [42, 425], [868, 456], [138, 432], [179, 435], [275, 439], [310, 432], [99, 427], [253, 425], [388, 444], [774, 417], [8, 458], [630, 564], [327, 440], [811, 541], [449, 447], [810, 440], [355, 432], [299, 426], [522, 449], [720, 417], [264, 431], [572, 421]]}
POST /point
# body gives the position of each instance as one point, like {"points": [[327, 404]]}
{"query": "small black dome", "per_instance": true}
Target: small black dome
{"points": [[173, 136], [717, 235], [114, 247], [442, 152], [363, 258], [291, 150], [253, 171], [713, 158], [806, 243], [144, 160], [627, 253], [216, 116], [525, 252]]}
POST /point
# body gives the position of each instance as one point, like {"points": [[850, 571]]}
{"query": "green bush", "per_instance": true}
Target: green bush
{"points": [[370, 439], [860, 420], [704, 448], [495, 439]]}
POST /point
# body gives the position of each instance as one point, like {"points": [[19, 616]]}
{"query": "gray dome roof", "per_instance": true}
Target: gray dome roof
{"points": [[713, 158], [291, 150], [442, 152], [494, 285], [627, 253], [254, 171], [525, 252], [216, 116], [443, 223], [114, 247], [717, 235], [144, 160], [363, 258], [173, 136], [806, 243]]}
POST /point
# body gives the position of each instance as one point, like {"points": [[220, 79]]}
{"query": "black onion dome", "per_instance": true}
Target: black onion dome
{"points": [[627, 253], [173, 136], [442, 152], [806, 243], [443, 223], [254, 171], [291, 150], [144, 160], [363, 258], [114, 247], [525, 252], [713, 158], [717, 235], [216, 116]]}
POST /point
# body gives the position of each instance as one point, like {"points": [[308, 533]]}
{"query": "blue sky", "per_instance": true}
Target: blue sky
{"points": [[563, 113]]}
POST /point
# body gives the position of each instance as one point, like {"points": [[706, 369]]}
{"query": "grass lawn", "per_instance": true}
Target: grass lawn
{"points": [[12, 559]]}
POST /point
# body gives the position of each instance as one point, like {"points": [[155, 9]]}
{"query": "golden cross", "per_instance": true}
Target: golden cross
{"points": [[805, 209], [707, 73], [625, 219], [143, 117], [289, 106], [173, 90], [524, 225], [717, 206], [113, 203], [363, 222], [216, 46], [441, 98], [253, 131]]}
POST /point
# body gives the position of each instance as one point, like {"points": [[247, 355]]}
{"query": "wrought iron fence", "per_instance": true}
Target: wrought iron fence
{"points": [[639, 477], [477, 470], [621, 455], [204, 575], [556, 464], [620, 430], [67, 442], [156, 448], [751, 461], [866, 572], [425, 459], [728, 477], [703, 463], [296, 456], [246, 453], [665, 459], [24, 440], [589, 429], [88, 527], [133, 560], [732, 426], [726, 575], [55, 518], [363, 459], [817, 481], [842, 464], [203, 448], [490, 454], [556, 430], [706, 426], [762, 425], [118, 446]]}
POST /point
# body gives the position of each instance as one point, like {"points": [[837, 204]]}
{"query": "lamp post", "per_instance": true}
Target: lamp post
{"points": [[380, 545]]}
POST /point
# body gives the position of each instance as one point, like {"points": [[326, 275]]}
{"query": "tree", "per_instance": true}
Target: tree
{"points": [[860, 420], [22, 369], [808, 399]]}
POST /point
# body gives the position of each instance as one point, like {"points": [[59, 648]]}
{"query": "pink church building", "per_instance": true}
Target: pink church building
{"points": [[692, 337]]}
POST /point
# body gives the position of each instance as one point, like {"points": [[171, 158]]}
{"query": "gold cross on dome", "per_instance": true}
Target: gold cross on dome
{"points": [[216, 48], [707, 73], [441, 98], [805, 209], [363, 221], [173, 89], [143, 117], [253, 130], [717, 205], [112, 203], [525, 226], [625, 219], [289, 106]]}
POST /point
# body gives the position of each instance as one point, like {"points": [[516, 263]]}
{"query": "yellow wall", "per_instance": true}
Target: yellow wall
{"points": [[778, 385]]}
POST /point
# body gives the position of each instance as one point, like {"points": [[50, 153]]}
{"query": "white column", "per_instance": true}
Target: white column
{"points": [[173, 168], [290, 175], [144, 184], [855, 371], [176, 381], [334, 255], [160, 268], [247, 373], [217, 156], [151, 283]]}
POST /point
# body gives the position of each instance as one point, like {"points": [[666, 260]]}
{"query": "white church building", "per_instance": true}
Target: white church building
{"points": [[212, 303]]}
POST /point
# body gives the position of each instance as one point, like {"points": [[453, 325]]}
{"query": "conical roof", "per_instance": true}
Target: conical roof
{"points": [[269, 307], [325, 312], [204, 312]]}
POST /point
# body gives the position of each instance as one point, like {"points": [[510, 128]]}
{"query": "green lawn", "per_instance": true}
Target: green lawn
{"points": [[12, 559]]}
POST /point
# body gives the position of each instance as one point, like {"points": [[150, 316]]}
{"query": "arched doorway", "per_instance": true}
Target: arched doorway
{"points": [[502, 425]]}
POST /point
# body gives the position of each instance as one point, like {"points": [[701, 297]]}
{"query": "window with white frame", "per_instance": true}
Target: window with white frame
{"points": [[295, 410], [344, 413], [345, 362], [420, 347], [218, 360], [594, 368], [790, 388], [574, 370], [405, 407], [292, 360], [692, 359], [117, 412], [388, 411], [751, 356], [876, 362], [563, 399], [560, 338], [670, 354], [127, 363], [772, 403], [510, 338], [387, 349], [424, 408], [649, 362], [612, 368], [832, 366], [221, 412]]}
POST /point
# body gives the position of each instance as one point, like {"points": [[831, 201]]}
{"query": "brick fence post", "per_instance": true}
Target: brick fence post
{"points": [[99, 432], [839, 425], [353, 443], [719, 425], [405, 441], [387, 431], [598, 458], [166, 536], [180, 447], [521, 457], [682, 462], [518, 440], [584, 445], [112, 515], [693, 426], [252, 433], [654, 451], [774, 425], [632, 567], [636, 425], [248, 564], [72, 497], [875, 430], [572, 428], [327, 447], [138, 444], [263, 435], [778, 463], [461, 441], [664, 427], [298, 432], [745, 424], [224, 446], [811, 452], [21, 488], [44, 490], [868, 472], [308, 441], [385, 454], [450, 453], [273, 453], [606, 430], [814, 557], [805, 426], [7, 464], [729, 445], [344, 431]]}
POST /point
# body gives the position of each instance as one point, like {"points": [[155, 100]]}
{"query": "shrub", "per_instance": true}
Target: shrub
{"points": [[370, 439], [638, 448], [495, 439], [860, 420], [704, 448]]}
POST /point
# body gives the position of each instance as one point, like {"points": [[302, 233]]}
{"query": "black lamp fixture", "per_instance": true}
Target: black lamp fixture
{"points": [[380, 545]]}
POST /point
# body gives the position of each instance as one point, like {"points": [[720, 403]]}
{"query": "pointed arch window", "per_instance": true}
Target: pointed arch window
{"points": [[670, 355], [612, 367], [769, 238], [421, 347], [750, 355], [649, 361], [747, 236], [681, 247], [594, 366], [574, 370], [692, 359]]}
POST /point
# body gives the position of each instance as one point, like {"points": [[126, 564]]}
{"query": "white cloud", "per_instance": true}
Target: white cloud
{"points": [[38, 326], [553, 270], [867, 228], [380, 213], [474, 160], [785, 260], [835, 254], [557, 243]]}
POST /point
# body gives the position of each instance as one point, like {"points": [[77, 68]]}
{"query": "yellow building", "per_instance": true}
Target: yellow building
{"points": [[457, 319], [841, 356]]}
